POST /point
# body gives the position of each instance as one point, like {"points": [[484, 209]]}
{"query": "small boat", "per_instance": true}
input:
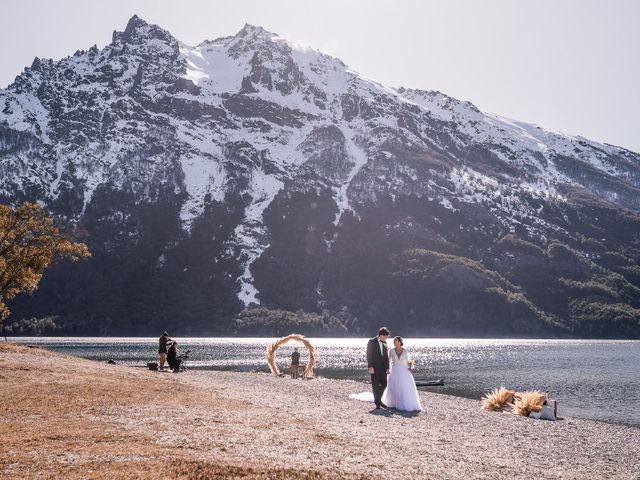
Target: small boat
{"points": [[430, 383]]}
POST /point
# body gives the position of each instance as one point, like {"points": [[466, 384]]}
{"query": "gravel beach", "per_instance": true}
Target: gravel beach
{"points": [[68, 417]]}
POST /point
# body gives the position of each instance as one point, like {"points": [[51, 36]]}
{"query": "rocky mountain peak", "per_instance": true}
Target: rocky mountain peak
{"points": [[138, 30], [252, 32], [253, 39]]}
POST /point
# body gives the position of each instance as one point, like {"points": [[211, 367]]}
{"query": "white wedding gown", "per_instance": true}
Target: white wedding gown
{"points": [[401, 392]]}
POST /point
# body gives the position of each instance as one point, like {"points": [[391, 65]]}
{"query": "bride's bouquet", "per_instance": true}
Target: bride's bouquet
{"points": [[411, 364]]}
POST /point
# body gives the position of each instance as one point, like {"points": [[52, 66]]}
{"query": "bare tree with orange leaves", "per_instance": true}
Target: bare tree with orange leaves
{"points": [[29, 243]]}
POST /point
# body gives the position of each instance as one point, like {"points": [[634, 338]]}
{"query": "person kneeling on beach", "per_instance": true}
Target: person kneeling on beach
{"points": [[172, 357]]}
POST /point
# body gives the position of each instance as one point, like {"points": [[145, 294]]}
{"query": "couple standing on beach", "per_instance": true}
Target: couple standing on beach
{"points": [[391, 378]]}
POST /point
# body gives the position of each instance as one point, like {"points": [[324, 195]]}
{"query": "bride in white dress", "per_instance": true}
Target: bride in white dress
{"points": [[401, 392]]}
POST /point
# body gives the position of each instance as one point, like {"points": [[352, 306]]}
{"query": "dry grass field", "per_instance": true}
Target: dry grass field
{"points": [[56, 414]]}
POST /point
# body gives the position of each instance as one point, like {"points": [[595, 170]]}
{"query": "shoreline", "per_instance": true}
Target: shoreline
{"points": [[78, 418], [366, 385], [458, 382]]}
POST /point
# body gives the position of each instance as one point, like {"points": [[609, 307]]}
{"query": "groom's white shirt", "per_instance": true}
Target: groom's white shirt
{"points": [[381, 347]]}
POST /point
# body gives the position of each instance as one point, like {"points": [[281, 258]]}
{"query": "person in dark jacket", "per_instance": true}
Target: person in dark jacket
{"points": [[378, 363], [295, 363], [162, 348], [172, 357]]}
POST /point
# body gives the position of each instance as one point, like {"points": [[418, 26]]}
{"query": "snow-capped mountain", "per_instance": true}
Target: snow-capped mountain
{"points": [[283, 178]]}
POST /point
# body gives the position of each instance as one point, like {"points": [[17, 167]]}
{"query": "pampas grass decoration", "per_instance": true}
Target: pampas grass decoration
{"points": [[294, 337], [498, 399], [529, 401]]}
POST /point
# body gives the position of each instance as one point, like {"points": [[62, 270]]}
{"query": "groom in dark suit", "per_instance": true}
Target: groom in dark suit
{"points": [[378, 362]]}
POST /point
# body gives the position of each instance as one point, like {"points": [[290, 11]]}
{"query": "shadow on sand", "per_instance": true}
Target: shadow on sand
{"points": [[391, 412]]}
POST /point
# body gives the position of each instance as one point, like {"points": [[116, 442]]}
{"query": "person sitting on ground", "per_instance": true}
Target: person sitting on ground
{"points": [[295, 363], [162, 348], [172, 357]]}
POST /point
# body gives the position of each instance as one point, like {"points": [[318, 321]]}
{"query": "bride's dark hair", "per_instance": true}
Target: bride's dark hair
{"points": [[399, 338]]}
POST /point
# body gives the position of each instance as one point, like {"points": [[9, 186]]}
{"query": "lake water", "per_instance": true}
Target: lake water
{"points": [[594, 379]]}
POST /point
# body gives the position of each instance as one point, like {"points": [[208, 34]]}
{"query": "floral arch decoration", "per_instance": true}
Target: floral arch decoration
{"points": [[294, 337]]}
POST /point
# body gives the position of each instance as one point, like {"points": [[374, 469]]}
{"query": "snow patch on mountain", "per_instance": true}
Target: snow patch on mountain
{"points": [[25, 113], [251, 233], [359, 158], [209, 66], [202, 176]]}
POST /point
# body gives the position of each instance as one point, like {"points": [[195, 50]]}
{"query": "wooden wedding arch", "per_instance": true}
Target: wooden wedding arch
{"points": [[294, 337]]}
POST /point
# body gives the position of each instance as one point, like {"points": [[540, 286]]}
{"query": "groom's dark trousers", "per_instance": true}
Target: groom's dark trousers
{"points": [[379, 361]]}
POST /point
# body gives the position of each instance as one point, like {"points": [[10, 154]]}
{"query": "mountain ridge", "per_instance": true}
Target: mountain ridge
{"points": [[251, 124]]}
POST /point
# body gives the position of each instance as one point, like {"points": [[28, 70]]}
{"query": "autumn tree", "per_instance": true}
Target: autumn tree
{"points": [[30, 242]]}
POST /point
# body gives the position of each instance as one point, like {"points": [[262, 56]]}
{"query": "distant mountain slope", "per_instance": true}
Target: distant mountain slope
{"points": [[251, 170]]}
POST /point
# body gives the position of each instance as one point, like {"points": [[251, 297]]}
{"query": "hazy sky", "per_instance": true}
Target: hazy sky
{"points": [[570, 65]]}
